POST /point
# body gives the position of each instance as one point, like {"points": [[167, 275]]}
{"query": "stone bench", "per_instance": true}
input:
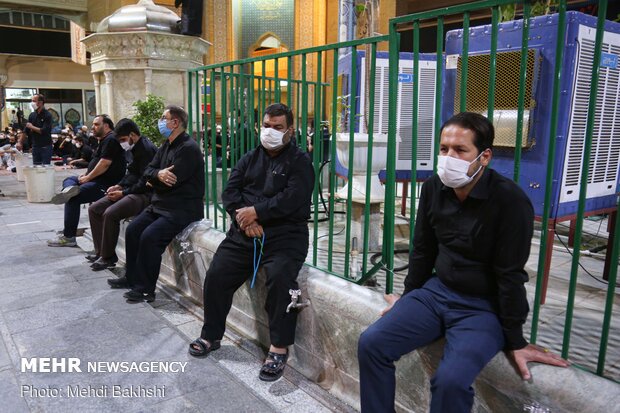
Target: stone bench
{"points": [[327, 332]]}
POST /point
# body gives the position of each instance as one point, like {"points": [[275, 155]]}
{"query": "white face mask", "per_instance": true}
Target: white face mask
{"points": [[78, 145], [271, 139], [453, 171], [33, 106], [126, 145]]}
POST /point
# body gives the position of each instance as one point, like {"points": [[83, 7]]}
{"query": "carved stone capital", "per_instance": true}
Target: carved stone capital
{"points": [[146, 49]]}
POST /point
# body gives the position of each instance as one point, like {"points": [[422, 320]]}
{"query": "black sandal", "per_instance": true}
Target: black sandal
{"points": [[198, 348], [273, 368]]}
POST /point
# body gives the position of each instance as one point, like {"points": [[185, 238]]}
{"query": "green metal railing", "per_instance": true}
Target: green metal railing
{"points": [[315, 85], [465, 10], [238, 92]]}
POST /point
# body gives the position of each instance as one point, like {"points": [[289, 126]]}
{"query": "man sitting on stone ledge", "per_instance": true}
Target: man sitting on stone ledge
{"points": [[268, 198], [466, 273], [123, 200], [105, 169], [177, 176]]}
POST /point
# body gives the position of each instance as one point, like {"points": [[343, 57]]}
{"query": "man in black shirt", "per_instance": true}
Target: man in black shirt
{"points": [[39, 130], [466, 273], [176, 175], [268, 199], [105, 169], [82, 154], [123, 200]]}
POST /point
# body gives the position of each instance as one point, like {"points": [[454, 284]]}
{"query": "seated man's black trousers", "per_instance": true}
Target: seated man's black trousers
{"points": [[284, 252]]}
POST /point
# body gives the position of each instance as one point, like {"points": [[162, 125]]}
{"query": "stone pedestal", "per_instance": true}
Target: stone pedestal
{"points": [[126, 66], [374, 230]]}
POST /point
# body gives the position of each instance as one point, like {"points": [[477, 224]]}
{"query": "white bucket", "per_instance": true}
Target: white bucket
{"points": [[21, 160], [39, 183]]}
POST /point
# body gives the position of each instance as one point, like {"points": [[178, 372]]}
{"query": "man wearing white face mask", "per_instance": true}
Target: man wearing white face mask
{"points": [[39, 130], [123, 200], [466, 273], [268, 199]]}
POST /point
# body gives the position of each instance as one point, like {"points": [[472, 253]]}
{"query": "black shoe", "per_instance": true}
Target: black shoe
{"points": [[92, 257], [274, 365], [137, 296], [121, 282], [102, 264]]}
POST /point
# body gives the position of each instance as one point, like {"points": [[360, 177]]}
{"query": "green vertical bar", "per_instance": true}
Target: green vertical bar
{"points": [[352, 120], [438, 88], [304, 104], [316, 144], [261, 92], [298, 109], [276, 68], [189, 102], [600, 28], [253, 139], [203, 88], [198, 117], [289, 80], [542, 255], [493, 64], [522, 78], [212, 89], [224, 112], [609, 302], [244, 114], [332, 163], [464, 63], [414, 127], [234, 139], [371, 130], [390, 169]]}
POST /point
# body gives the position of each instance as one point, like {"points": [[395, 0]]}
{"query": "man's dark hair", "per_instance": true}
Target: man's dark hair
{"points": [[483, 130], [107, 120], [125, 126], [79, 138], [40, 97], [280, 109], [177, 112]]}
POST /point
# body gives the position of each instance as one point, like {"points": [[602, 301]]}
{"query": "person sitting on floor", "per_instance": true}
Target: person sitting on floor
{"points": [[82, 154]]}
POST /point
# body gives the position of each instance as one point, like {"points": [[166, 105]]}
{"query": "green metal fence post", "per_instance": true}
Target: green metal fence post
{"points": [[600, 29], [542, 255], [525, 34], [390, 169], [464, 63], [438, 88]]}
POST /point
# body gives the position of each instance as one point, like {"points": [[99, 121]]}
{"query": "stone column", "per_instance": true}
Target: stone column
{"points": [[148, 77], [4, 76], [97, 92], [109, 93]]}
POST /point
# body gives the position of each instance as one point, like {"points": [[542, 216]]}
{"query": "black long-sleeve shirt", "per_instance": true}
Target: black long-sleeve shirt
{"points": [[184, 199], [279, 188], [142, 154], [42, 120], [477, 247]]}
